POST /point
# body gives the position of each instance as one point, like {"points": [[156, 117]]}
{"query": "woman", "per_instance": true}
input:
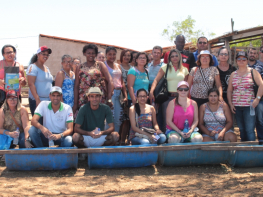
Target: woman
{"points": [[203, 77], [215, 119], [179, 110], [9, 60], [76, 62], [92, 73], [225, 69], [144, 115], [66, 79], [176, 73], [137, 77], [133, 57], [240, 93], [100, 56], [116, 74], [39, 78], [12, 109], [125, 66]]}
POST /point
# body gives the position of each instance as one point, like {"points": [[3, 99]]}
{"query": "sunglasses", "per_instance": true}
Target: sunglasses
{"points": [[183, 89], [202, 42], [243, 59], [225, 54]]}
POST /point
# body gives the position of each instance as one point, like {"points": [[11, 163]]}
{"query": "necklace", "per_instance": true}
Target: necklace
{"points": [[66, 73]]}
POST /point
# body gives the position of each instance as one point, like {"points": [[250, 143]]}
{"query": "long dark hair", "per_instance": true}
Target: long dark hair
{"points": [[33, 59], [137, 106]]}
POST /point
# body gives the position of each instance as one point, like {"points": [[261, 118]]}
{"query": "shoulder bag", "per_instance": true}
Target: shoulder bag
{"points": [[161, 90]]}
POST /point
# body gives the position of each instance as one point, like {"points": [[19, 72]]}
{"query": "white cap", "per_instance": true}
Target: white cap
{"points": [[56, 89]]}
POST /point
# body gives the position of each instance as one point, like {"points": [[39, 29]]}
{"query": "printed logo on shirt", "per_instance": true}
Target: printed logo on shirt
{"points": [[70, 114]]}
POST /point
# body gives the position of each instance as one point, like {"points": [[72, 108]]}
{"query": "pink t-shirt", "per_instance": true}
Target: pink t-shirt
{"points": [[2, 74], [180, 116]]}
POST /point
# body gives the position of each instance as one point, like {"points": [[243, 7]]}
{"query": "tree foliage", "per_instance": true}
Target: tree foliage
{"points": [[253, 43], [185, 27]]}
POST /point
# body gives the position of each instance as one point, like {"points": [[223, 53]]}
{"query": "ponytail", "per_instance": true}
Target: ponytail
{"points": [[176, 99], [33, 59]]}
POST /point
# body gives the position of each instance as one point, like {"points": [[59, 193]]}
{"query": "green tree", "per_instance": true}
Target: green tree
{"points": [[254, 43], [185, 27]]}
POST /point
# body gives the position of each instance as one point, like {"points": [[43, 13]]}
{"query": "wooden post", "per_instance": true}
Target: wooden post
{"points": [[209, 47], [228, 48]]}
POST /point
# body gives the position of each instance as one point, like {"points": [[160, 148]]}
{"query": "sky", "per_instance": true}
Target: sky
{"points": [[136, 24]]}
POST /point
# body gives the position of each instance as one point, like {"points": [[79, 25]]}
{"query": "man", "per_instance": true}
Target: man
{"points": [[155, 65], [188, 59], [256, 64], [89, 125], [261, 55], [202, 44], [57, 122]]}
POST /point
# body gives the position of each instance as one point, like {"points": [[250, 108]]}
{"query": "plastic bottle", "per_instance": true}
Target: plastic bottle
{"points": [[252, 109], [51, 142], [15, 141], [97, 131], [186, 126]]}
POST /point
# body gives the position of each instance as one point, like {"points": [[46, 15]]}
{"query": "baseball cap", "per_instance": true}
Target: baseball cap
{"points": [[205, 52], [241, 53], [94, 90], [182, 83], [44, 48], [56, 89], [11, 93]]}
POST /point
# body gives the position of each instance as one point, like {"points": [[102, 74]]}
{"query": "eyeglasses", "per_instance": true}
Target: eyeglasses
{"points": [[183, 89], [225, 54], [67, 62], [202, 42], [9, 53], [76, 63], [12, 99], [243, 59], [173, 56], [47, 55], [142, 96], [142, 58]]}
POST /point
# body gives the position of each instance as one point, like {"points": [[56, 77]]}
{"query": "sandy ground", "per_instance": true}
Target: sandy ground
{"points": [[215, 180]]}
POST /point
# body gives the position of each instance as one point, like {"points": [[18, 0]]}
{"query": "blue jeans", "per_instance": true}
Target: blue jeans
{"points": [[21, 141], [117, 109], [246, 123], [142, 141], [39, 140], [259, 120]]}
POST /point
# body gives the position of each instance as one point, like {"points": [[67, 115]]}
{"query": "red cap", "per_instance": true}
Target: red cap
{"points": [[44, 48], [11, 93]]}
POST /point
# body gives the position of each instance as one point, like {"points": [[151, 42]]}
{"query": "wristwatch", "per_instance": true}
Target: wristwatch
{"points": [[258, 97], [62, 135], [109, 101], [28, 139]]}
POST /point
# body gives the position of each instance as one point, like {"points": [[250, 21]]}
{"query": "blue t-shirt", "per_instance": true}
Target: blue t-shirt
{"points": [[141, 80], [153, 71], [214, 58], [43, 81]]}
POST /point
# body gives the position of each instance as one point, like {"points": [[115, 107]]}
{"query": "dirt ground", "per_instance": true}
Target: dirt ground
{"points": [[212, 180]]}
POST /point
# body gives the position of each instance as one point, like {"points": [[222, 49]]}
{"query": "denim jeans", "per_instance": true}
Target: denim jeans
{"points": [[117, 109], [21, 141], [246, 123], [259, 120], [39, 140], [142, 141]]}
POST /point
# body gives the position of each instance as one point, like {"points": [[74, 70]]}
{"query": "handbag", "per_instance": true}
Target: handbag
{"points": [[148, 130], [255, 85], [5, 142], [161, 90]]}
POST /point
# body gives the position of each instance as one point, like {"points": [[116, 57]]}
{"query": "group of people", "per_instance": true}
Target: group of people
{"points": [[100, 102]]}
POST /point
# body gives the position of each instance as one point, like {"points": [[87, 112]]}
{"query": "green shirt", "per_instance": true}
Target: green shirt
{"points": [[90, 119]]}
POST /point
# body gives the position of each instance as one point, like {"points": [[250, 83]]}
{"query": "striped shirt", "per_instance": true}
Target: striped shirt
{"points": [[243, 91]]}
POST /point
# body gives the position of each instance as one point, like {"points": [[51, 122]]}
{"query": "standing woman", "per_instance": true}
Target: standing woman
{"points": [[76, 62], [240, 93], [133, 57], [92, 73], [39, 78], [9, 60], [203, 77], [116, 74], [125, 66], [65, 79], [225, 69], [138, 77], [176, 73]]}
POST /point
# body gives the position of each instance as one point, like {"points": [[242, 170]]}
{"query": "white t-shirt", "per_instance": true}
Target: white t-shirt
{"points": [[54, 122]]}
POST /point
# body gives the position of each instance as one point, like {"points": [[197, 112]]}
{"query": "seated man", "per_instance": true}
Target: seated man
{"points": [[57, 122], [89, 124]]}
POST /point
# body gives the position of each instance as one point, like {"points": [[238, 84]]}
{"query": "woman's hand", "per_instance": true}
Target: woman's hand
{"points": [[37, 102], [75, 106], [110, 104], [133, 102], [255, 103], [158, 131], [125, 100], [213, 133], [2, 82], [151, 97], [232, 108], [22, 80], [28, 144], [221, 99], [221, 136], [14, 134]]}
